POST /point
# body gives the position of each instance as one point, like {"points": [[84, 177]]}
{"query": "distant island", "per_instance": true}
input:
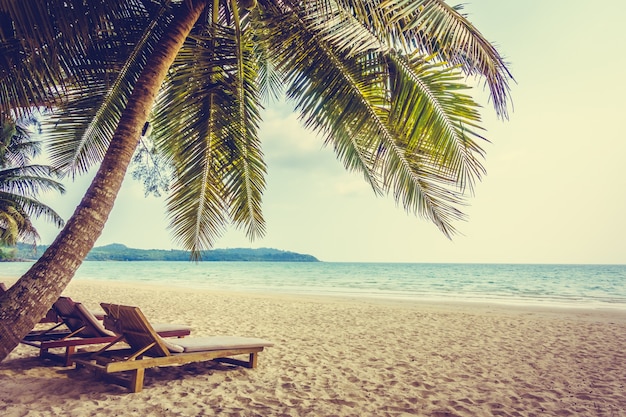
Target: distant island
{"points": [[119, 252]]}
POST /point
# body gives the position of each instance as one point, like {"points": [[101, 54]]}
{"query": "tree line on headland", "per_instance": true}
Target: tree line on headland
{"points": [[119, 252]]}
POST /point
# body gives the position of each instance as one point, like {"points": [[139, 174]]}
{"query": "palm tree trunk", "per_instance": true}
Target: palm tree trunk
{"points": [[27, 301]]}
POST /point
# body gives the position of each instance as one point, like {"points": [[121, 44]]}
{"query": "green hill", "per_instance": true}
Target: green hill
{"points": [[119, 252]]}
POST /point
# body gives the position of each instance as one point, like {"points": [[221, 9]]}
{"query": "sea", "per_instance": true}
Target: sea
{"points": [[550, 285]]}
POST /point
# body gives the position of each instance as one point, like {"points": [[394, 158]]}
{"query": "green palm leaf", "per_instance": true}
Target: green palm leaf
{"points": [[30, 207], [38, 67], [18, 188], [14, 224], [245, 181], [443, 30], [436, 119], [402, 128], [29, 179], [193, 128], [81, 129], [327, 95]]}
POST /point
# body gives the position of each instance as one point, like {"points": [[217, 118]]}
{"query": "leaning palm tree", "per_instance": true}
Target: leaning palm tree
{"points": [[384, 82]]}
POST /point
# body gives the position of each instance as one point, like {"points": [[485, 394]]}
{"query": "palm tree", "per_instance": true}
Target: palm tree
{"points": [[381, 80], [20, 183]]}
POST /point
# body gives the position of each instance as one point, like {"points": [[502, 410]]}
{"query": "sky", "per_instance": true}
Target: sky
{"points": [[555, 185]]}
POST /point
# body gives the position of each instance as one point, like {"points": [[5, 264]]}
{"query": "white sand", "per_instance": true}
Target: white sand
{"points": [[347, 357]]}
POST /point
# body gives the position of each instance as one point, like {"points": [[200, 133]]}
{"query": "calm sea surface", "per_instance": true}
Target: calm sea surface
{"points": [[594, 286]]}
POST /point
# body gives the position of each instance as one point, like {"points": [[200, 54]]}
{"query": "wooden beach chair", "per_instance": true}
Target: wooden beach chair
{"points": [[148, 350], [83, 328]]}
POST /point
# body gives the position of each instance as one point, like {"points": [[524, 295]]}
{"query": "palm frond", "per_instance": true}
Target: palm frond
{"points": [[16, 146], [351, 27], [321, 83], [30, 207], [38, 66], [436, 120], [269, 81], [14, 224], [397, 124], [29, 180], [423, 26], [29, 69], [81, 129], [244, 181], [214, 148], [196, 123], [434, 27]]}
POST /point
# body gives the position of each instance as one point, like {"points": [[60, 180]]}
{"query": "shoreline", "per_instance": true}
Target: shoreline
{"points": [[346, 357], [512, 304], [537, 286]]}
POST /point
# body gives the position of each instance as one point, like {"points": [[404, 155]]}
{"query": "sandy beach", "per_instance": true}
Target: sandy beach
{"points": [[347, 357]]}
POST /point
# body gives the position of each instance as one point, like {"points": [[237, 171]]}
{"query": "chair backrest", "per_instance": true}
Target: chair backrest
{"points": [[75, 316], [3, 288], [137, 331]]}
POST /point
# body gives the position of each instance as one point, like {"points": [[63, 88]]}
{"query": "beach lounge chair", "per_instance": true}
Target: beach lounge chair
{"points": [[83, 328], [148, 350]]}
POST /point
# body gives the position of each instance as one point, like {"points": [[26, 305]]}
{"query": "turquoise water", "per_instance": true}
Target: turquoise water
{"points": [[554, 285]]}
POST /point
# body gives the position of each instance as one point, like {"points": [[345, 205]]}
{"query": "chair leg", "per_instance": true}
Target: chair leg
{"points": [[136, 380], [250, 363], [254, 357], [69, 351]]}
